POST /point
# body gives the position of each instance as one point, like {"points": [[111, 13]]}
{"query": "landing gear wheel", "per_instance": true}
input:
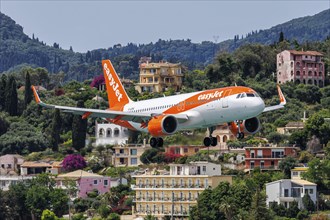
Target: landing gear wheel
{"points": [[207, 141], [153, 142], [240, 135], [160, 142], [214, 141]]}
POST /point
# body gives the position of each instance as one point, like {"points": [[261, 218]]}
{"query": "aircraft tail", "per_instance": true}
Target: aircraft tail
{"points": [[117, 96]]}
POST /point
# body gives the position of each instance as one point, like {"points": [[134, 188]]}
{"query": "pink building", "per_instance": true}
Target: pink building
{"points": [[86, 182], [300, 67]]}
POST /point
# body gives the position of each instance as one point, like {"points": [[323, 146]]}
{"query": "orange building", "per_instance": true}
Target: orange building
{"points": [[266, 158]]}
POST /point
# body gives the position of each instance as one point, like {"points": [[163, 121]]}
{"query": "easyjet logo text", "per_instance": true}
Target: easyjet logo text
{"points": [[113, 84], [212, 95]]}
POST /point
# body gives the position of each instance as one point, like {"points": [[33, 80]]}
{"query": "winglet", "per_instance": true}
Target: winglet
{"points": [[36, 96], [281, 96]]}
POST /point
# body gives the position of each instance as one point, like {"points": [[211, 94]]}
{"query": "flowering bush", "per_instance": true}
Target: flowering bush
{"points": [[97, 81], [74, 162], [171, 157]]}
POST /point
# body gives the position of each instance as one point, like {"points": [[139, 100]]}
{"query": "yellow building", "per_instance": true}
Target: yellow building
{"points": [[173, 195], [158, 77], [128, 155]]}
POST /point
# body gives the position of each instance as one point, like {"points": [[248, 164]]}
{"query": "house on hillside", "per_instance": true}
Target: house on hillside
{"points": [[304, 67], [10, 164], [37, 167], [112, 134], [85, 182]]}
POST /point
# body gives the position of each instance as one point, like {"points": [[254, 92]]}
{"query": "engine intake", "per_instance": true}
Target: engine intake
{"points": [[249, 126], [162, 125]]}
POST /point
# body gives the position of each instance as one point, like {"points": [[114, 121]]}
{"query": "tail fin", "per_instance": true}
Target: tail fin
{"points": [[117, 95]]}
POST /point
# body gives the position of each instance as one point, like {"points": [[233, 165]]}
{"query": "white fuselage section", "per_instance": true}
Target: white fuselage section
{"points": [[220, 110]]}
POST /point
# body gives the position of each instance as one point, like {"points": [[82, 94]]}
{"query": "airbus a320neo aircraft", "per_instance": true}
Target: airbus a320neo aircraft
{"points": [[238, 106]]}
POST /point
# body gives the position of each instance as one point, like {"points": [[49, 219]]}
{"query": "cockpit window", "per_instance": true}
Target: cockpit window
{"points": [[256, 94], [238, 96], [243, 95], [250, 94]]}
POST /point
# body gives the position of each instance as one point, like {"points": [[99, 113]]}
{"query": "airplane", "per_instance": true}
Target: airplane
{"points": [[236, 105]]}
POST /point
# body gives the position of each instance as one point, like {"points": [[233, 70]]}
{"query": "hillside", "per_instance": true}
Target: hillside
{"points": [[17, 49]]}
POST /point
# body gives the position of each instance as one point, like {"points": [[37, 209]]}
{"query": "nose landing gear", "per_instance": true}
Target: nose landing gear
{"points": [[210, 141]]}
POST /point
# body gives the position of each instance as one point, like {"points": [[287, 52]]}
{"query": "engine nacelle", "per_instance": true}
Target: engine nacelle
{"points": [[248, 126], [162, 125]]}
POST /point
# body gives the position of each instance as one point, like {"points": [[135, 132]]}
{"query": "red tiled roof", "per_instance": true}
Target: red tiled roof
{"points": [[312, 53]]}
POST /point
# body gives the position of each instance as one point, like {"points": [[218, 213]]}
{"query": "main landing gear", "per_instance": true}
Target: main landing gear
{"points": [[156, 142], [240, 134], [210, 141]]}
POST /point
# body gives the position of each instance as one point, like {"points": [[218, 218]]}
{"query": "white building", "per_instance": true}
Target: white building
{"points": [[286, 191], [107, 133], [296, 173], [6, 181]]}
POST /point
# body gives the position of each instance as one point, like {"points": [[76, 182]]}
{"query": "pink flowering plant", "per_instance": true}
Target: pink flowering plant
{"points": [[74, 162]]}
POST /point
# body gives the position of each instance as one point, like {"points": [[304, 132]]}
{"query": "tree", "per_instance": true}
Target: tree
{"points": [[74, 162], [308, 203], [11, 97], [259, 210], [148, 155], [48, 215], [79, 129], [293, 210], [275, 138], [281, 38], [286, 165], [55, 130], [3, 83], [27, 91]]}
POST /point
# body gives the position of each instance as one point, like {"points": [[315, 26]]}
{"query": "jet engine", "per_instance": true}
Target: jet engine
{"points": [[162, 125], [248, 126]]}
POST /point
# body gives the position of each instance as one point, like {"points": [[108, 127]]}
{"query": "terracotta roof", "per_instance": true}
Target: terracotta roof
{"points": [[35, 164], [303, 182], [300, 169], [78, 174], [312, 53], [159, 65]]}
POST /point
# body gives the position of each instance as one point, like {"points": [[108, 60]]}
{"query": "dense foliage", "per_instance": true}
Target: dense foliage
{"points": [[74, 162]]}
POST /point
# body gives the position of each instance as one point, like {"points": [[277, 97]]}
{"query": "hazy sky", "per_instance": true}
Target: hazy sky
{"points": [[87, 25]]}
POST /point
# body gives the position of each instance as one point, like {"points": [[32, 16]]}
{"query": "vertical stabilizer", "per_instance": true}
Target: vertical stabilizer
{"points": [[117, 96]]}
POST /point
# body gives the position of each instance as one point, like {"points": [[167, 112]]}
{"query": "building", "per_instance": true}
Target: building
{"points": [[223, 134], [85, 182], [10, 164], [266, 158], [297, 171], [6, 181], [114, 182], [174, 194], [286, 191], [184, 150], [158, 77], [128, 155], [291, 127], [107, 133], [300, 67], [37, 167]]}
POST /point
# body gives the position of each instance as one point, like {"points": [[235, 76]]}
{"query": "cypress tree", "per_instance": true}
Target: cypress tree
{"points": [[55, 130], [79, 129], [3, 83], [281, 38], [11, 97], [28, 91]]}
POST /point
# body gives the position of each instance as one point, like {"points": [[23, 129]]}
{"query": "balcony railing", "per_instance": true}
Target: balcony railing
{"points": [[168, 213], [265, 156], [164, 199], [166, 186]]}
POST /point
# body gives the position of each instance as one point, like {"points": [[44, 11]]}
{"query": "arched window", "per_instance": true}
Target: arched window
{"points": [[310, 82], [320, 73], [315, 73], [297, 81], [315, 82], [224, 139], [101, 132], [291, 72], [320, 83], [298, 64], [298, 73], [309, 73], [304, 81], [116, 132], [109, 132], [218, 138]]}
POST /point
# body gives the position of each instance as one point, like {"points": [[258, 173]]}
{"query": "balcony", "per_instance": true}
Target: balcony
{"points": [[168, 186], [266, 157], [164, 199], [160, 213]]}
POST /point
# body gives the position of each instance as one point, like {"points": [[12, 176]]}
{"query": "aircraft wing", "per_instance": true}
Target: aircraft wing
{"points": [[111, 114], [282, 101]]}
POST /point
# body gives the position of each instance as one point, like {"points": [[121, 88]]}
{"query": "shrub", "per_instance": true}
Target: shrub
{"points": [[74, 162]]}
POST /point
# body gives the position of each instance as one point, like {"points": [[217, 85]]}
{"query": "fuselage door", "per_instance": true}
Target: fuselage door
{"points": [[225, 98]]}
